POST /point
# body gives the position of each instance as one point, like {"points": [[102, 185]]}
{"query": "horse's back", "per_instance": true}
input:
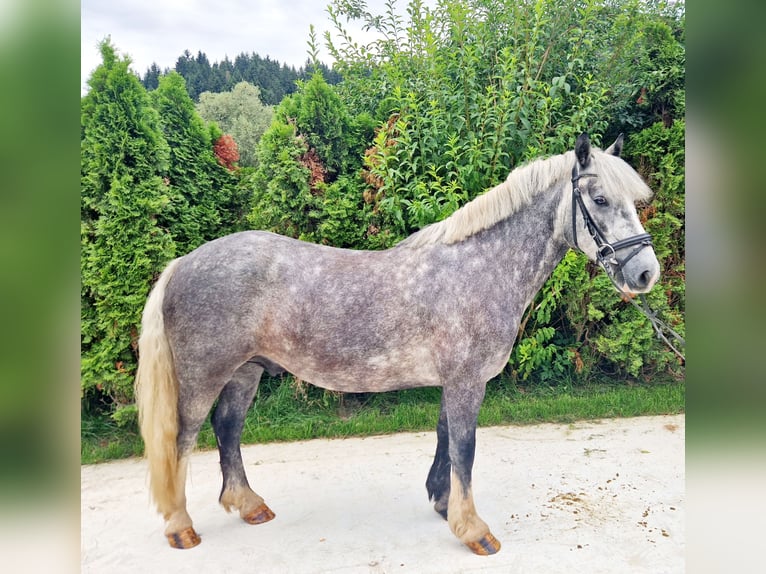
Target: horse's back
{"points": [[319, 312]]}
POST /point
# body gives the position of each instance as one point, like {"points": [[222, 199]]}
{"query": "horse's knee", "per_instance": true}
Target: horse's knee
{"points": [[233, 403]]}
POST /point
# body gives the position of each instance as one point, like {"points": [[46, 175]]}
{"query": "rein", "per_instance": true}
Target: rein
{"points": [[607, 258]]}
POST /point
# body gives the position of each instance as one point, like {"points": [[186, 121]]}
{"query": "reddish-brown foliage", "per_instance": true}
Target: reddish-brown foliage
{"points": [[317, 171], [226, 151]]}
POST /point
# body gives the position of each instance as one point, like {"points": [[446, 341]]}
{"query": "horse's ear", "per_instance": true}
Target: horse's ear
{"points": [[582, 150], [616, 147]]}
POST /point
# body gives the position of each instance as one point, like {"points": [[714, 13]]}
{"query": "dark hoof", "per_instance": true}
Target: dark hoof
{"points": [[486, 546], [260, 515], [185, 539]]}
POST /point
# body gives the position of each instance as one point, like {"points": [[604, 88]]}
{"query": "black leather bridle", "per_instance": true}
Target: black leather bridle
{"points": [[606, 252]]}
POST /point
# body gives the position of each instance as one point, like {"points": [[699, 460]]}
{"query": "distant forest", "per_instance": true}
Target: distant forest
{"points": [[275, 80]]}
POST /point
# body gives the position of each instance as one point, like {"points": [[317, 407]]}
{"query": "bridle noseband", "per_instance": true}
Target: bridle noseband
{"points": [[606, 252]]}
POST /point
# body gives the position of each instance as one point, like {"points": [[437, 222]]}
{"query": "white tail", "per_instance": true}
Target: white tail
{"points": [[157, 400]]}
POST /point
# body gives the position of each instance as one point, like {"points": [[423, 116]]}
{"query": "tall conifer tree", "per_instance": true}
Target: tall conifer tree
{"points": [[200, 187], [124, 158]]}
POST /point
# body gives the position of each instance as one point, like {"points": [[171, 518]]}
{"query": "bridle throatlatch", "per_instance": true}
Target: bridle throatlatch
{"points": [[606, 253]]}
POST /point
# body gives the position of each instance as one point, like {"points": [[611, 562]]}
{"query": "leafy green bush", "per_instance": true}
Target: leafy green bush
{"points": [[199, 188], [343, 219], [282, 199], [467, 91], [654, 90], [305, 185]]}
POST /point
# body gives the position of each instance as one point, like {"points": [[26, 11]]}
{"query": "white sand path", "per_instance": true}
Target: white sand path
{"points": [[598, 496]]}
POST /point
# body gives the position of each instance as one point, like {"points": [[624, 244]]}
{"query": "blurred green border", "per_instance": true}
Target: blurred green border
{"points": [[726, 356], [39, 240], [39, 289], [39, 251], [726, 196]]}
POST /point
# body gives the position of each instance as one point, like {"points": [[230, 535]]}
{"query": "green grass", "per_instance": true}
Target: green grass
{"points": [[101, 439], [284, 412]]}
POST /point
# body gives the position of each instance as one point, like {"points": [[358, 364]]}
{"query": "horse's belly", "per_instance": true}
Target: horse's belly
{"points": [[392, 370]]}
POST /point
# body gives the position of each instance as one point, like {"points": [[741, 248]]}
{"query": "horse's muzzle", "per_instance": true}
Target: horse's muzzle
{"points": [[640, 274]]}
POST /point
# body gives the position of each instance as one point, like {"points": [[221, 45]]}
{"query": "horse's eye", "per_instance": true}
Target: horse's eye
{"points": [[600, 200]]}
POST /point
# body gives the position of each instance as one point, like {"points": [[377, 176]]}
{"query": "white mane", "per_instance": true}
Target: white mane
{"points": [[518, 189]]}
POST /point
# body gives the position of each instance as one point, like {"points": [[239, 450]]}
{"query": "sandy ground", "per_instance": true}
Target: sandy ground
{"points": [[598, 496]]}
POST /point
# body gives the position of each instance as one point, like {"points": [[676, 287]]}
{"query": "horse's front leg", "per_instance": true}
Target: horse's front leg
{"points": [[437, 483], [462, 407]]}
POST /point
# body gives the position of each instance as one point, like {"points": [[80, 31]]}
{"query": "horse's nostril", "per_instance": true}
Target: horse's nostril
{"points": [[645, 278]]}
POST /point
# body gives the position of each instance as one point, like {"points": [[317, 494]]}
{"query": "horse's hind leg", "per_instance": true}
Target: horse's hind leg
{"points": [[194, 403], [228, 420], [438, 480], [462, 403]]}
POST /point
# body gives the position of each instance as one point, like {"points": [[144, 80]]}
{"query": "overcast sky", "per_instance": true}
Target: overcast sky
{"points": [[160, 30]]}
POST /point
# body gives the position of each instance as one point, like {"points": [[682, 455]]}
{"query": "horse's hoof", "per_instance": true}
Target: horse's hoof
{"points": [[486, 546], [260, 515], [185, 539]]}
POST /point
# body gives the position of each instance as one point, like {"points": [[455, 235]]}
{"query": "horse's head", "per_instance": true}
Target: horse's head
{"points": [[603, 222]]}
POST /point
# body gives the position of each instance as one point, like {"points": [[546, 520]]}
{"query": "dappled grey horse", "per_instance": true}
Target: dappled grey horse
{"points": [[441, 308]]}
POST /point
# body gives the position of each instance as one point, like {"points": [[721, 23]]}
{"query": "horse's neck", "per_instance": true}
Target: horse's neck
{"points": [[526, 246]]}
